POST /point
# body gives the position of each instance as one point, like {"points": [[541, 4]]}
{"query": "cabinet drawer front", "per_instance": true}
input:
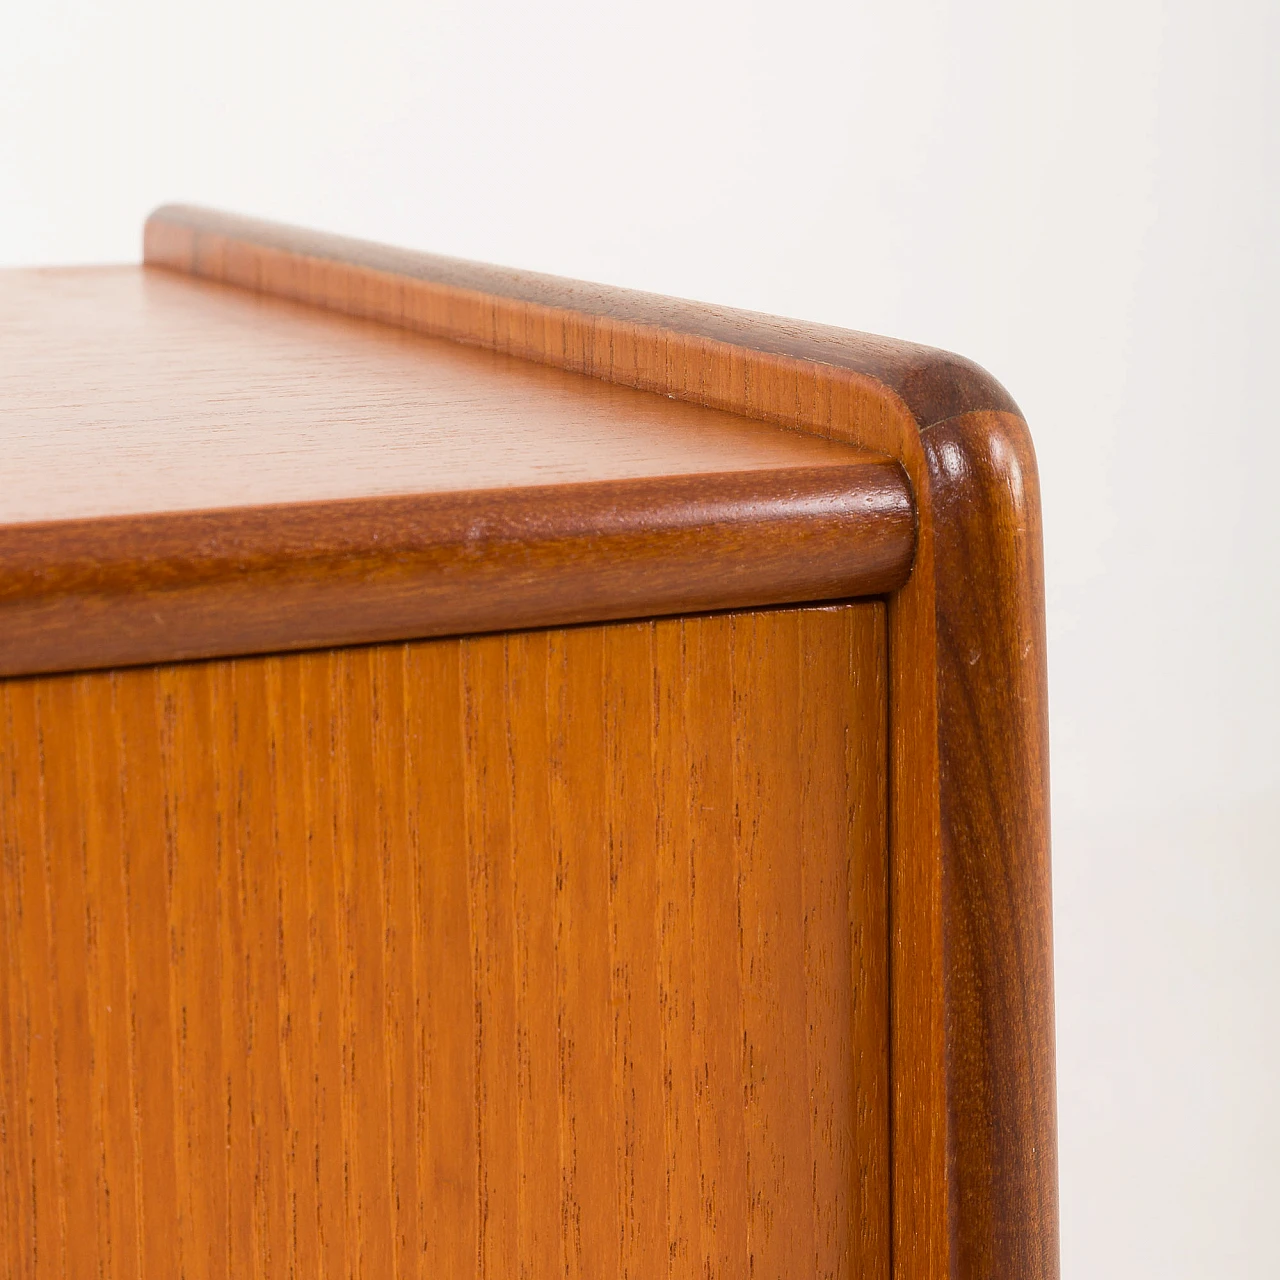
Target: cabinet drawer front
{"points": [[545, 954]]}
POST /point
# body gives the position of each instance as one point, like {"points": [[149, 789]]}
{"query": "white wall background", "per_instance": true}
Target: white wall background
{"points": [[1081, 197]]}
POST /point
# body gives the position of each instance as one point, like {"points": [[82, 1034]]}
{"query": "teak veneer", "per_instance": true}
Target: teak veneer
{"points": [[194, 471], [507, 776]]}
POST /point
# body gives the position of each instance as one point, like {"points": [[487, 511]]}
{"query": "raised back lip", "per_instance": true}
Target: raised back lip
{"points": [[934, 385]]}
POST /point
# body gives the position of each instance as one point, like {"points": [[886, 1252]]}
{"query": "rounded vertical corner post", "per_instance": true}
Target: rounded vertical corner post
{"points": [[988, 590], [973, 1178], [972, 1030]]}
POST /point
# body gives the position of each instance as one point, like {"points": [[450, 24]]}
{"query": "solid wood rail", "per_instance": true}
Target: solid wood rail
{"points": [[90, 594], [974, 1160]]}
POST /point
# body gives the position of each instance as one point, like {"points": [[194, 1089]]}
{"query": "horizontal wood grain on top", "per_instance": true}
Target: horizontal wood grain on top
{"points": [[128, 391], [193, 471]]}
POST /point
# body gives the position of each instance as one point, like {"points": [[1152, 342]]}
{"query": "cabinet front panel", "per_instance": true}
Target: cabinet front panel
{"points": [[548, 954]]}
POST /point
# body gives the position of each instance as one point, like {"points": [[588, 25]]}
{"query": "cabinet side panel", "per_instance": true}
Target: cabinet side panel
{"points": [[535, 955]]}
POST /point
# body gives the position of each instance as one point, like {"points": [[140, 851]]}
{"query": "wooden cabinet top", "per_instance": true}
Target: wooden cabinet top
{"points": [[135, 391], [195, 469]]}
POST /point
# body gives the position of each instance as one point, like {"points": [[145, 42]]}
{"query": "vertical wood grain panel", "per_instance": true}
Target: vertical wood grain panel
{"points": [[707, 799], [66, 916], [489, 839], [110, 978], [584, 1007], [538, 1148], [327, 1156], [448, 1158], [398, 905], [630, 831], [145, 852], [43, 1119], [553, 954], [767, 773], [364, 966], [687, 1176], [190, 783], [285, 729], [859, 686]]}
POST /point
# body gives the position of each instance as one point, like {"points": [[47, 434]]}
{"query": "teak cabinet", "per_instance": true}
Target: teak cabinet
{"points": [[504, 777]]}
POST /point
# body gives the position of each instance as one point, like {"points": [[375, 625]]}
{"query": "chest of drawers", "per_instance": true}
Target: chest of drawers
{"points": [[502, 776]]}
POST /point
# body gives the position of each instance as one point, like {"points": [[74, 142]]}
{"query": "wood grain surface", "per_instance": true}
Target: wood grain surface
{"points": [[995, 803], [974, 1145], [575, 324], [107, 593], [129, 392], [556, 953], [191, 470]]}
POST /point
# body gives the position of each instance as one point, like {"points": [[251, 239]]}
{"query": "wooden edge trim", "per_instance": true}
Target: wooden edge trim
{"points": [[117, 592], [290, 262], [994, 801], [973, 1182]]}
